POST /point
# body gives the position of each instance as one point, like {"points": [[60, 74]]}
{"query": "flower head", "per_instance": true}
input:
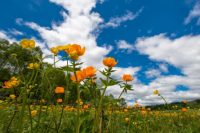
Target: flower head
{"points": [[77, 48], [54, 50], [10, 84], [34, 112], [127, 119], [155, 92], [27, 44], [129, 107], [73, 55], [80, 76], [89, 71], [12, 96], [59, 90], [62, 48], [85, 106], [59, 100], [184, 109], [125, 110], [184, 101], [144, 112], [126, 77], [31, 65], [110, 62]]}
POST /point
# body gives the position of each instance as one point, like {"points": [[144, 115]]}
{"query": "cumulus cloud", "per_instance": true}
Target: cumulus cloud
{"points": [[194, 13], [15, 32], [122, 44], [116, 21], [163, 67], [152, 73]]}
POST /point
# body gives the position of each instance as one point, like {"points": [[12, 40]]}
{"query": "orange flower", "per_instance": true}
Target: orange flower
{"points": [[89, 71], [43, 100], [85, 106], [143, 107], [67, 107], [76, 47], [144, 112], [77, 100], [59, 90], [88, 104], [135, 101], [10, 84], [110, 62], [125, 110], [59, 100], [151, 113], [127, 119], [129, 107], [149, 109], [80, 76], [126, 77], [184, 110], [110, 104]]}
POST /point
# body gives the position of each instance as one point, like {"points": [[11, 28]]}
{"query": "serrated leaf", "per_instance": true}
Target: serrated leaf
{"points": [[103, 81]]}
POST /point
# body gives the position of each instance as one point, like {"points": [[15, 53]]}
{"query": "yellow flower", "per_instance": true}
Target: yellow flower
{"points": [[184, 101], [34, 112], [73, 55], [62, 48], [81, 103], [1, 101], [27, 44], [12, 96], [54, 50], [155, 92], [31, 65]]}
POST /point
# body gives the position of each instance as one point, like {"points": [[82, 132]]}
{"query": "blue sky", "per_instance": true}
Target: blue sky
{"points": [[157, 42]]}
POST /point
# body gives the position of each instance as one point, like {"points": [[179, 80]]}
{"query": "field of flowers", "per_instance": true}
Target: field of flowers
{"points": [[20, 113]]}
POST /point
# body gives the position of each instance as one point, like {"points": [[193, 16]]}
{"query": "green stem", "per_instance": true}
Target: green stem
{"points": [[164, 100], [99, 109], [78, 97]]}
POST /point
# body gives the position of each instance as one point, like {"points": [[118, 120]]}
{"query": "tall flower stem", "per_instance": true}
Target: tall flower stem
{"points": [[164, 100], [78, 97], [99, 109], [121, 92]]}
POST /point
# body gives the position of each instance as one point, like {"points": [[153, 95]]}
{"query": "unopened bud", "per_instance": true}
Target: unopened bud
{"points": [[14, 55]]}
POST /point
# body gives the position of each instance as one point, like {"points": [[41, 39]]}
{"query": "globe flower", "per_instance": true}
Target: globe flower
{"points": [[59, 100], [43, 100], [77, 100], [184, 109], [10, 84], [12, 96], [81, 103], [135, 101], [59, 90], [34, 112], [80, 76], [77, 48], [31, 65], [126, 77], [129, 107], [127, 119], [62, 48], [85, 106], [155, 92], [110, 62], [144, 112], [54, 50], [89, 71], [125, 110], [73, 55], [143, 107], [27, 44], [184, 101], [149, 109]]}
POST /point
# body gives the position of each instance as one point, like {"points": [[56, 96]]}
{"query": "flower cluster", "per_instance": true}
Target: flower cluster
{"points": [[10, 84], [27, 44]]}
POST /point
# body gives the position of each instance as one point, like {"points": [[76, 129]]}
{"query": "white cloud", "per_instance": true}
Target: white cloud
{"points": [[163, 67], [152, 73], [3, 35], [194, 13], [122, 44], [19, 21], [116, 21], [15, 32], [102, 1]]}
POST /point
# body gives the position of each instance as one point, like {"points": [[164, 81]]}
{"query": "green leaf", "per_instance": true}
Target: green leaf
{"points": [[113, 82], [104, 81]]}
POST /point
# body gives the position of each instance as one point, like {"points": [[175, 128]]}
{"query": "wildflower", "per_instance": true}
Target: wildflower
{"points": [[89, 71], [85, 106], [129, 107], [31, 65], [81, 103], [151, 113], [184, 110], [77, 100], [34, 112], [143, 107], [110, 104], [27, 44], [88, 105], [127, 119], [14, 55], [59, 100], [135, 123], [77, 48], [67, 107], [125, 110], [135, 101], [54, 50], [184, 101], [12, 96], [80, 76], [71, 109], [43, 100], [144, 112], [126, 77], [74, 56], [155, 92], [10, 84], [110, 62], [1, 101], [188, 107], [59, 90], [149, 109], [62, 48]]}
